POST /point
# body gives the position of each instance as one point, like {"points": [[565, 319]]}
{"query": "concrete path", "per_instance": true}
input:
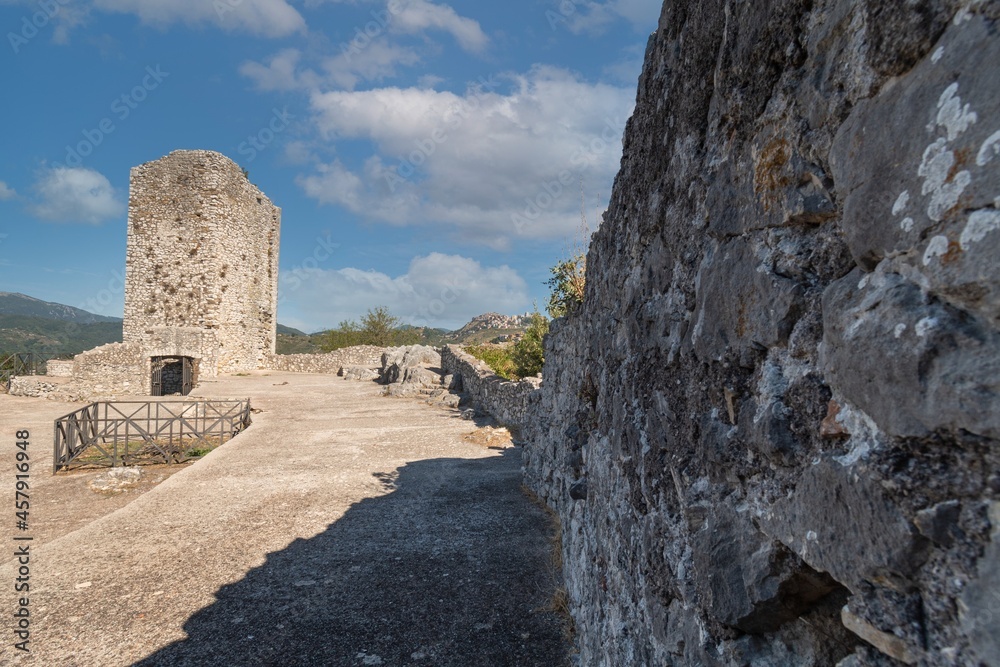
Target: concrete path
{"points": [[342, 528]]}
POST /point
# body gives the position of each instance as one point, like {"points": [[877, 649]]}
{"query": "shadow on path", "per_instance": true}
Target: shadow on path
{"points": [[449, 568]]}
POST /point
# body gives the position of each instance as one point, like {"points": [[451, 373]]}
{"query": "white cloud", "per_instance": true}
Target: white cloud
{"points": [[595, 17], [298, 152], [279, 73], [334, 184], [374, 63], [489, 165], [430, 81], [378, 60], [418, 16], [76, 195], [437, 290], [270, 18], [66, 18], [6, 192]]}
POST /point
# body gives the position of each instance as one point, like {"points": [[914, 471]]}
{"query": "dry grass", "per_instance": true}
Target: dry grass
{"points": [[139, 452], [490, 437], [559, 600], [560, 603]]}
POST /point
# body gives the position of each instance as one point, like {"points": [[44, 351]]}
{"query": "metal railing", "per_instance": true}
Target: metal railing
{"points": [[131, 432], [26, 363]]}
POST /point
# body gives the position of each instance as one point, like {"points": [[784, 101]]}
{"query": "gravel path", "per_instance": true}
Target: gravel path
{"points": [[343, 528]]}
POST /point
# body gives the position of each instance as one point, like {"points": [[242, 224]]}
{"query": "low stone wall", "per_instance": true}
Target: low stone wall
{"points": [[112, 369], [36, 386], [59, 368], [507, 402], [331, 362]]}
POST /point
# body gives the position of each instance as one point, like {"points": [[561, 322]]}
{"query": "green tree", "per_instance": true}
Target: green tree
{"points": [[347, 334], [566, 286], [378, 327], [528, 354]]}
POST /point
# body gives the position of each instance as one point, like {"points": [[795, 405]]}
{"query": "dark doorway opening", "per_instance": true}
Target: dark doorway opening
{"points": [[173, 376]]}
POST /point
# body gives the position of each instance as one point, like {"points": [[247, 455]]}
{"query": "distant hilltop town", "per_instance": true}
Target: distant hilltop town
{"points": [[495, 321]]}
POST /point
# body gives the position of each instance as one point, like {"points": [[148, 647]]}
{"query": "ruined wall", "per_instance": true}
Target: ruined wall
{"points": [[330, 362], [35, 386], [59, 368], [772, 433], [112, 369], [202, 253], [507, 402]]}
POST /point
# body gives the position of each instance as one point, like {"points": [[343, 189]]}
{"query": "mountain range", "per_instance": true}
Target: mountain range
{"points": [[28, 324], [13, 303]]}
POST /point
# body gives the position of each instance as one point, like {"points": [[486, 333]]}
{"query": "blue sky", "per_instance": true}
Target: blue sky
{"points": [[429, 157]]}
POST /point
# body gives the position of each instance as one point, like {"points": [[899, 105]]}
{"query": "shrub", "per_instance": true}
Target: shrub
{"points": [[524, 359], [528, 354], [348, 334], [498, 359], [569, 278]]}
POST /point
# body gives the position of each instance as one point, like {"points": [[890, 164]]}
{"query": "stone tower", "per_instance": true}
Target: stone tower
{"points": [[201, 268]]}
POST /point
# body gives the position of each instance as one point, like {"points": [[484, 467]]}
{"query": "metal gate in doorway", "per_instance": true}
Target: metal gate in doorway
{"points": [[172, 375]]}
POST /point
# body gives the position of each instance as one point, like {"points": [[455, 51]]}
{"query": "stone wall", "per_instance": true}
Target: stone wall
{"points": [[202, 254], [36, 386], [330, 362], [771, 435], [507, 402], [112, 369], [59, 368]]}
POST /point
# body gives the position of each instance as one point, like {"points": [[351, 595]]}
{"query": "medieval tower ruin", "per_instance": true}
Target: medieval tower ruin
{"points": [[201, 266], [201, 278]]}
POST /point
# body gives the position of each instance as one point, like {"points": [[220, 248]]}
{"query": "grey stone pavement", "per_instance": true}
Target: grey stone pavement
{"points": [[342, 528]]}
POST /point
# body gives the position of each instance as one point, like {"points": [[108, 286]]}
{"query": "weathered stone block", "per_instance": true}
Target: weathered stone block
{"points": [[748, 580], [911, 363], [741, 302], [721, 353], [933, 195], [202, 253], [980, 606], [507, 402], [841, 522]]}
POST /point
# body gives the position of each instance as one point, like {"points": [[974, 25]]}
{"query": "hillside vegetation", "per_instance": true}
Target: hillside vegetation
{"points": [[19, 333], [32, 325]]}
